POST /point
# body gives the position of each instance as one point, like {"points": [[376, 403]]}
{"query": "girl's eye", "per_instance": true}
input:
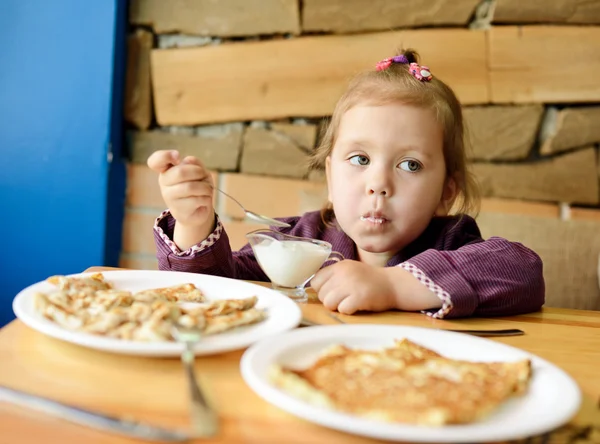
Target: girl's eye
{"points": [[359, 160], [411, 166]]}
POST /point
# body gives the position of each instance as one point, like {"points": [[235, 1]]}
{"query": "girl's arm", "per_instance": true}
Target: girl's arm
{"points": [[491, 277], [211, 256]]}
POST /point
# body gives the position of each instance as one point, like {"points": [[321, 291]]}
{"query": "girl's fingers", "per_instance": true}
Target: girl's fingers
{"points": [[161, 161], [183, 190], [184, 173]]}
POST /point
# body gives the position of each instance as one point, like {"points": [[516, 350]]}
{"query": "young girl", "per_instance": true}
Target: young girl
{"points": [[394, 156]]}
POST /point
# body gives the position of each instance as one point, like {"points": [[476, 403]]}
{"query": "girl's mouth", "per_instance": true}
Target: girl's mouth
{"points": [[372, 219]]}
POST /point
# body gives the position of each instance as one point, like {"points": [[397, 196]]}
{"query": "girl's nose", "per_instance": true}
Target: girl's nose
{"points": [[379, 185], [381, 192], [379, 181]]}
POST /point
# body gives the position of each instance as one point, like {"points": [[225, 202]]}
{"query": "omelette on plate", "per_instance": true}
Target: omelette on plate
{"points": [[406, 383]]}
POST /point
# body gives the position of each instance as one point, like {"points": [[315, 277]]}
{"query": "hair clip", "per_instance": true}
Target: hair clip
{"points": [[385, 63], [421, 73]]}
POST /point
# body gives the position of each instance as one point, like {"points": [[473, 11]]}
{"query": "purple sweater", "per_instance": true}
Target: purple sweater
{"points": [[472, 276]]}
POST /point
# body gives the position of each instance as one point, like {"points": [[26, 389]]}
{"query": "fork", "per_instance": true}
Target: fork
{"points": [[203, 418]]}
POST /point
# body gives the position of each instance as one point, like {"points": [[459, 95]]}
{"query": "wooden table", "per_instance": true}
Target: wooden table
{"points": [[155, 390]]}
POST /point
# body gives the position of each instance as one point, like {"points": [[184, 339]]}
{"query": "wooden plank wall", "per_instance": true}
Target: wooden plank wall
{"points": [[305, 76], [249, 93], [298, 77]]}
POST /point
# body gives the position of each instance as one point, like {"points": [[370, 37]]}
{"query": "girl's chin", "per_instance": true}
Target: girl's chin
{"points": [[378, 247]]}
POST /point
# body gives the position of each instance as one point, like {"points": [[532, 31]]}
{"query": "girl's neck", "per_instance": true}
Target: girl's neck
{"points": [[374, 259]]}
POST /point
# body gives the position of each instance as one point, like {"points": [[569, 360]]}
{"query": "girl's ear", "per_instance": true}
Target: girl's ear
{"points": [[448, 198], [328, 175]]}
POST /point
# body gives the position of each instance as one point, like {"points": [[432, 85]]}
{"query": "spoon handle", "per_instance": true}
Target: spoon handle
{"points": [[251, 215], [231, 197], [507, 332]]}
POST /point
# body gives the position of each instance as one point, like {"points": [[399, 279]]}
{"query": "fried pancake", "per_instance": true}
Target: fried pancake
{"points": [[219, 324], [88, 284], [223, 307], [406, 383], [176, 293], [61, 315], [92, 305]]}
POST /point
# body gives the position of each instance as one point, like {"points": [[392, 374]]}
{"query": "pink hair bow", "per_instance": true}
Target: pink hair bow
{"points": [[385, 63], [421, 73]]}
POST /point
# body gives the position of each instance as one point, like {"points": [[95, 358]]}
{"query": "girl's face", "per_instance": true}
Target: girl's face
{"points": [[387, 176]]}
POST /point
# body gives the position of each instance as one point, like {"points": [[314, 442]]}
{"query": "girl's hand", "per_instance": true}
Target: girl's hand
{"points": [[187, 189], [351, 286]]}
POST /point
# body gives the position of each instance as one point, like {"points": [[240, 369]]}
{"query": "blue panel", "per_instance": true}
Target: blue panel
{"points": [[56, 75], [117, 173]]}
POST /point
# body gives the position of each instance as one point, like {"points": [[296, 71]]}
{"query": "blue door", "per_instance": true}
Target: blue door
{"points": [[61, 174]]}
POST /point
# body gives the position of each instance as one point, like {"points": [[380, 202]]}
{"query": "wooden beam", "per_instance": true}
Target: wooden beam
{"points": [[503, 132], [300, 77], [572, 128], [512, 206], [544, 64], [570, 178], [544, 11], [279, 151], [217, 147], [217, 18], [137, 108], [366, 15]]}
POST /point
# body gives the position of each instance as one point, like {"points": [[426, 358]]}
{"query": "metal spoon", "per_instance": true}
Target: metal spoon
{"points": [[204, 420], [490, 332], [255, 216]]}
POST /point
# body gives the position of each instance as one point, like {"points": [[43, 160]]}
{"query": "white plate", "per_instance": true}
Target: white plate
{"points": [[552, 400], [282, 313]]}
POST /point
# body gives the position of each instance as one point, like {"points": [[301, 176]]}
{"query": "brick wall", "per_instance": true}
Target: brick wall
{"points": [[247, 92]]}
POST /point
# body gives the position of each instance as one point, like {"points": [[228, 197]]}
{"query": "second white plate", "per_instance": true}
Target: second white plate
{"points": [[552, 400]]}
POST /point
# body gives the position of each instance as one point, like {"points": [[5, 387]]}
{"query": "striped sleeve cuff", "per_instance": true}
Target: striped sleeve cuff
{"points": [[194, 249], [432, 286]]}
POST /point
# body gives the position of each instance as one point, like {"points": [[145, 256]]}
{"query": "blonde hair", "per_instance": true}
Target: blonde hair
{"points": [[397, 85]]}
